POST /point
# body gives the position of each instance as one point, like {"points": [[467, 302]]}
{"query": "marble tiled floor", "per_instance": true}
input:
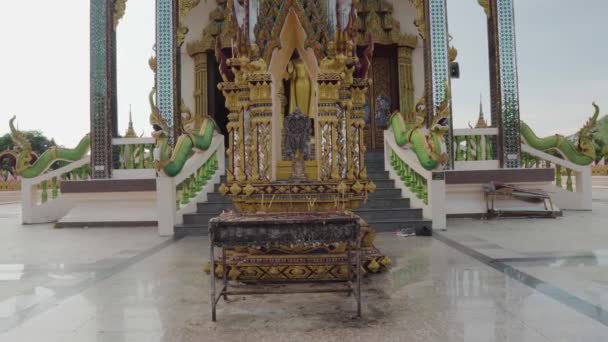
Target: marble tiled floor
{"points": [[130, 285]]}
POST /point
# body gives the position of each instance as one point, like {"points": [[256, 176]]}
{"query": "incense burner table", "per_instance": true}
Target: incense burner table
{"points": [[231, 230]]}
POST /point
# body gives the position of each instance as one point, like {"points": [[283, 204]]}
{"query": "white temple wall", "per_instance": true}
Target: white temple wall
{"points": [[196, 20]]}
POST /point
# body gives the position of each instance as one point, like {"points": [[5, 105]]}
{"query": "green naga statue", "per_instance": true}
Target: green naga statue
{"points": [[581, 153], [428, 145], [23, 148], [172, 160]]}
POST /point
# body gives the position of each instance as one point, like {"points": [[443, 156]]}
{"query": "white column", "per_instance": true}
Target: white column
{"points": [[166, 205]]}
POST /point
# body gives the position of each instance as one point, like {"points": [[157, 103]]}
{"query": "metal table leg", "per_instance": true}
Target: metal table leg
{"points": [[349, 274], [225, 273], [359, 278], [212, 281]]}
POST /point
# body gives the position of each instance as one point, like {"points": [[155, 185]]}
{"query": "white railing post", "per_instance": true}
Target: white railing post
{"points": [[166, 201], [437, 201], [584, 180], [28, 201]]}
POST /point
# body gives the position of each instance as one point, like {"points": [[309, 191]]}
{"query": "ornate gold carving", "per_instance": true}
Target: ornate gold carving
{"points": [[219, 25], [420, 21], [120, 7], [452, 54], [185, 6], [486, 6], [376, 19], [406, 79], [201, 90], [310, 16]]}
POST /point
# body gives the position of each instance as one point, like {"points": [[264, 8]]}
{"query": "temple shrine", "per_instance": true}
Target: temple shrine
{"points": [[295, 107]]}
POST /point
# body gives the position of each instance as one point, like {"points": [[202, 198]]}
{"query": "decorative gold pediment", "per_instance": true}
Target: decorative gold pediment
{"points": [[120, 7], [273, 14], [486, 6], [185, 6], [219, 25], [376, 19], [420, 21]]}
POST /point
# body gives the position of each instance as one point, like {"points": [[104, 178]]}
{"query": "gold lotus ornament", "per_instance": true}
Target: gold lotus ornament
{"points": [[373, 266], [370, 187], [235, 189], [385, 261], [342, 188], [234, 273], [357, 187], [224, 189], [249, 190]]}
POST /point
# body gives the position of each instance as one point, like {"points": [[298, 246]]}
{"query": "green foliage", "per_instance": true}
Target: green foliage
{"points": [[601, 138], [39, 141]]}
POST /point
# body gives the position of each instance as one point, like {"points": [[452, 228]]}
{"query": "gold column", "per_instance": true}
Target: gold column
{"points": [[200, 85], [406, 81]]}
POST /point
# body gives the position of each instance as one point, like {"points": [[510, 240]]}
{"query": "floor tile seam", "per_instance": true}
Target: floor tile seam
{"points": [[62, 296], [544, 258], [551, 291], [470, 246], [523, 322]]}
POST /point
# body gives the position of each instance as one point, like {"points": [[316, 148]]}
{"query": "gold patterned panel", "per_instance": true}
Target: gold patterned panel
{"points": [[381, 86], [406, 80], [200, 85]]}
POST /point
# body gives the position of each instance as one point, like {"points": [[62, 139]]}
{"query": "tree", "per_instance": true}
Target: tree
{"points": [[39, 141]]}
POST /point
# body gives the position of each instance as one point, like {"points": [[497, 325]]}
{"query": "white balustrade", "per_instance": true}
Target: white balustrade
{"points": [[573, 193], [136, 158], [425, 189], [473, 149], [41, 196], [179, 195]]}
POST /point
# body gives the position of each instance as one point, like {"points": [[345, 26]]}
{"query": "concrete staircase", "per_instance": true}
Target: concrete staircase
{"points": [[384, 211]]}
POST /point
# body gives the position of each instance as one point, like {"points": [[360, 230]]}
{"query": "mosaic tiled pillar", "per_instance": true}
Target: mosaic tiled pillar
{"points": [[438, 64], [102, 86], [506, 81], [167, 64]]}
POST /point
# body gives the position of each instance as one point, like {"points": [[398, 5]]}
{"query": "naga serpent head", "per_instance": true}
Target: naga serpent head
{"points": [[22, 147], [156, 119], [441, 119], [585, 135]]}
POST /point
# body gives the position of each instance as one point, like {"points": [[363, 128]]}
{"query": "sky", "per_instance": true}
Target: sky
{"points": [[44, 64]]}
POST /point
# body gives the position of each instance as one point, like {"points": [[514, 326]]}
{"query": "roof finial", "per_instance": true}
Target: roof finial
{"points": [[130, 131], [481, 121]]}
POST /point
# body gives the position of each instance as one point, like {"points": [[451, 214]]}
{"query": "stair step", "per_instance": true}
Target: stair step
{"points": [[217, 198], [385, 193], [214, 207], [375, 167], [382, 203], [199, 219], [384, 183], [373, 175], [395, 214], [190, 230], [395, 225]]}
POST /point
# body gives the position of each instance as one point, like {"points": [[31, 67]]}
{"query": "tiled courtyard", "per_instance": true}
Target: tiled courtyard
{"points": [[505, 280]]}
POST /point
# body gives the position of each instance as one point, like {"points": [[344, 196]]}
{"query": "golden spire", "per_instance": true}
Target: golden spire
{"points": [[130, 131], [481, 121]]}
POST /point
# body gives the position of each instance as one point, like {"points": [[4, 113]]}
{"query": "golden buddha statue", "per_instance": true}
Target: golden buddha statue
{"points": [[300, 87]]}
